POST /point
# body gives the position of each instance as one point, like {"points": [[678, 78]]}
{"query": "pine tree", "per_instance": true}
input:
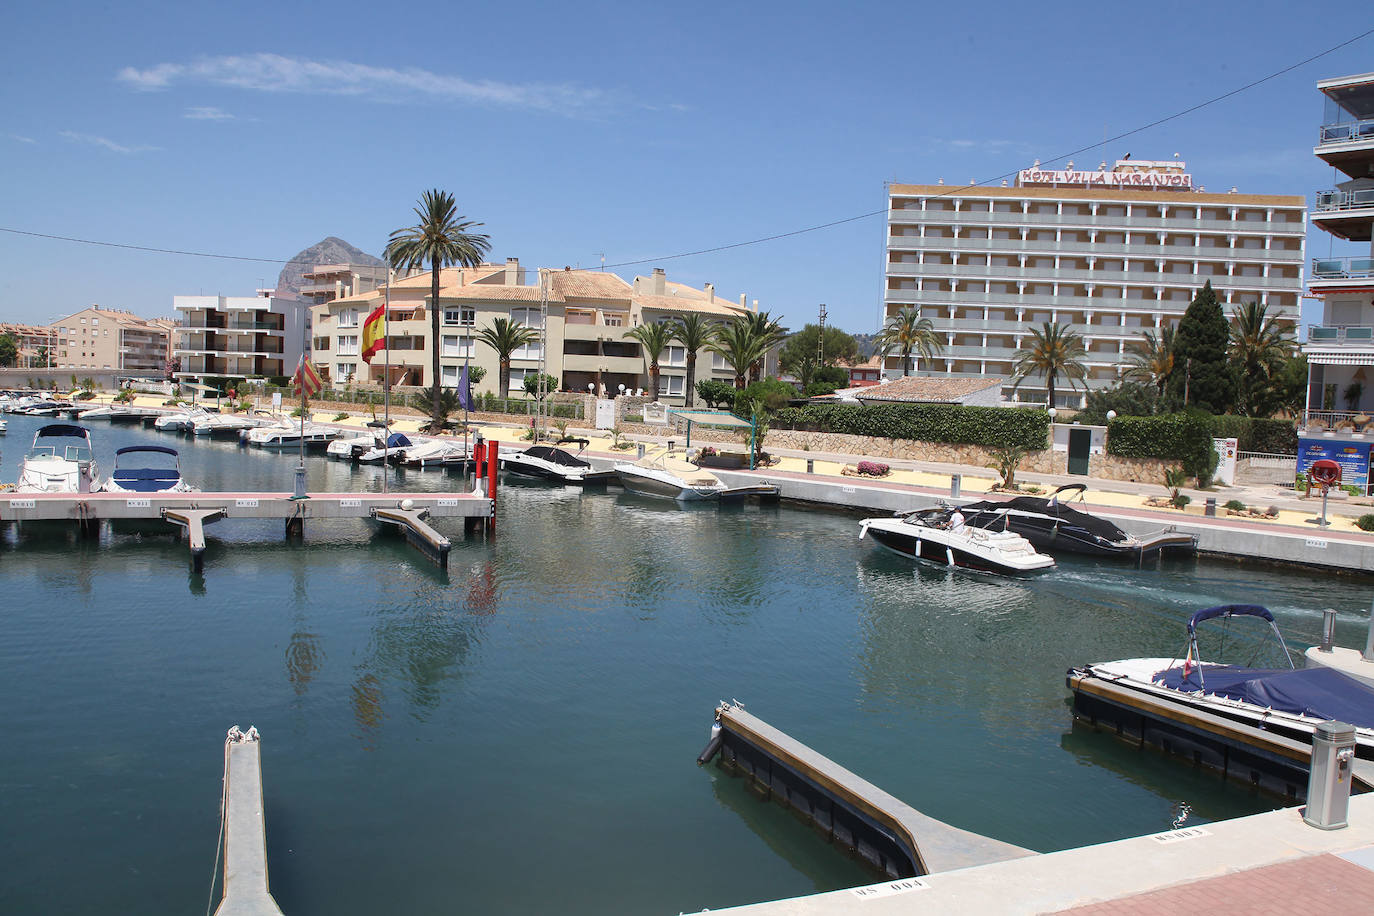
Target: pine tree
{"points": [[1202, 371]]}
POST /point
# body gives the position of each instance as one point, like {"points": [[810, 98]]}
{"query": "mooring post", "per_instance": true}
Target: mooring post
{"points": [[1369, 640], [295, 528], [493, 452]]}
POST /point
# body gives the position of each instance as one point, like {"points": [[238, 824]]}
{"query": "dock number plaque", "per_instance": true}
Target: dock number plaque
{"points": [[350, 503], [22, 504], [245, 504], [1175, 836], [1318, 543], [887, 889], [139, 503], [448, 501]]}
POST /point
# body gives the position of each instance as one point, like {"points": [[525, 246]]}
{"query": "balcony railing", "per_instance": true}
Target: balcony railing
{"points": [[1362, 129], [1360, 334], [1342, 268], [1345, 200]]}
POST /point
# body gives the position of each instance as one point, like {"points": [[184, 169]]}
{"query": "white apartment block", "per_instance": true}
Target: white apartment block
{"points": [[582, 342], [238, 336], [101, 338], [1340, 350], [1109, 253]]}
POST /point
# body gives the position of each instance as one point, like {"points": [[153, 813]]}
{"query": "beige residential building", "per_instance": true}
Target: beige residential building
{"points": [[327, 282], [101, 338], [588, 314], [36, 344], [1109, 253]]}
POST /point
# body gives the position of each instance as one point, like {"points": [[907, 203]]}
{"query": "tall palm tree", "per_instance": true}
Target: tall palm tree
{"points": [[693, 332], [1259, 346], [1152, 358], [739, 346], [442, 237], [1053, 350], [505, 337], [907, 332], [768, 331], [654, 338]]}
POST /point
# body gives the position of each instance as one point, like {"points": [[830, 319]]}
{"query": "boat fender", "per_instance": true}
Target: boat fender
{"points": [[712, 746], [863, 530], [949, 555]]}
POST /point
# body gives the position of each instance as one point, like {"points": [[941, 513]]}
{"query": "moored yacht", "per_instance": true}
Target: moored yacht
{"points": [[938, 536], [665, 475], [288, 434], [223, 425], [181, 421], [59, 461], [547, 463], [134, 472]]}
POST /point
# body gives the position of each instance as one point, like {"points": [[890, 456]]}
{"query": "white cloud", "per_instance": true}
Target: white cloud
{"points": [[207, 114], [276, 73], [105, 142], [22, 139]]}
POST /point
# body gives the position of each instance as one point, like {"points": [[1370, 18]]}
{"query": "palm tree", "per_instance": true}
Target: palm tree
{"points": [[1152, 358], [739, 346], [693, 332], [505, 337], [767, 331], [907, 332], [654, 338], [1259, 346], [442, 237], [1053, 350]]}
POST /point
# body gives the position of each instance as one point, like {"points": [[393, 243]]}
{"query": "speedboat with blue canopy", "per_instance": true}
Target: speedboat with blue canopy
{"points": [[59, 461], [392, 450], [136, 471], [1287, 701]]}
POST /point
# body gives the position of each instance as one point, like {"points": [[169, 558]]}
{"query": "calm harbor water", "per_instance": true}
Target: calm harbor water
{"points": [[519, 734]]}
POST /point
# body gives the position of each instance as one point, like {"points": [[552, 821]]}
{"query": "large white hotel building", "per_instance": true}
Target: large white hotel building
{"points": [[1109, 253]]}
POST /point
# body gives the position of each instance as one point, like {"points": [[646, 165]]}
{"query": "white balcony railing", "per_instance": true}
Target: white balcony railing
{"points": [[1342, 268], [1346, 131], [1328, 201]]}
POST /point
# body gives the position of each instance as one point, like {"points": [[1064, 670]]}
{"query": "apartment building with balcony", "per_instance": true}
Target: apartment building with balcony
{"points": [[327, 282], [36, 344], [237, 337], [582, 343], [1110, 253], [101, 338], [1340, 349]]}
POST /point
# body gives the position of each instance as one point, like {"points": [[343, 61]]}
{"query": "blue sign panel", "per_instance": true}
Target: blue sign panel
{"points": [[1353, 457]]}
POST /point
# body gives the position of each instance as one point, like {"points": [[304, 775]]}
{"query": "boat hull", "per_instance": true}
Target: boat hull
{"points": [[649, 486], [934, 551]]}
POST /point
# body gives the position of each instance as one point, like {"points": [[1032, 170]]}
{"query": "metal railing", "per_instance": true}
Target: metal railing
{"points": [[1345, 131], [1342, 268], [1320, 420], [1346, 333], [416, 400], [1261, 467], [1345, 200]]}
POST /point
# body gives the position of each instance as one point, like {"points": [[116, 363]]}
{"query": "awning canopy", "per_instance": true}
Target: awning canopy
{"points": [[196, 386], [718, 418], [1341, 359]]}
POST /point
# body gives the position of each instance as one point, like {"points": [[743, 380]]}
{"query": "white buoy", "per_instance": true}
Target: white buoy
{"points": [[407, 504]]}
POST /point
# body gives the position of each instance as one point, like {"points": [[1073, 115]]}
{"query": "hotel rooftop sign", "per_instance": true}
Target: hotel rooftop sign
{"points": [[1147, 178]]}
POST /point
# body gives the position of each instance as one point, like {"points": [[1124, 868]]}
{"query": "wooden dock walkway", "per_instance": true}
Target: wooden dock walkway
{"points": [[191, 512]]}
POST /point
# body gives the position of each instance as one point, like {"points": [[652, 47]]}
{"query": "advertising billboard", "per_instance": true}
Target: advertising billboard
{"points": [[1353, 457]]}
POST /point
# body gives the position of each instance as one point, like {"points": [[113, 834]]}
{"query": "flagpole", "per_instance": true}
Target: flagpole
{"points": [[386, 382], [300, 376], [465, 393]]}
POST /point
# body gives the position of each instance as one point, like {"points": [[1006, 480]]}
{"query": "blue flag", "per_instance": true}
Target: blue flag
{"points": [[464, 395]]}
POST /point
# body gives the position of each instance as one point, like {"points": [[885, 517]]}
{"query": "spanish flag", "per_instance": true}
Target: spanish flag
{"points": [[307, 380], [374, 333]]}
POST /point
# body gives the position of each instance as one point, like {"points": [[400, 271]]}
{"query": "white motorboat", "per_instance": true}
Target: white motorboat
{"points": [[41, 407], [349, 447], [117, 413], [223, 425], [288, 434], [934, 535], [664, 475], [393, 450], [1285, 700], [133, 473], [182, 421], [4, 425], [424, 453], [547, 463], [59, 461]]}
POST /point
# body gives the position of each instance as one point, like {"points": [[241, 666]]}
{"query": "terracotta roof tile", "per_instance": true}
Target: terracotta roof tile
{"points": [[688, 304], [916, 389], [588, 284]]}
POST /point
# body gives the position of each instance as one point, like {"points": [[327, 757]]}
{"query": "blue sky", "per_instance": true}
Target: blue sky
{"points": [[573, 130]]}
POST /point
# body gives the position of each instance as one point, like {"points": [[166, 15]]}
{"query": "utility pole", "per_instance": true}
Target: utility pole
{"points": [[820, 339], [1187, 377]]}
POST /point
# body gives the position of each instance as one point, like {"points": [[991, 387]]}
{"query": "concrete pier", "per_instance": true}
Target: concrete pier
{"points": [[889, 834], [245, 830], [193, 511]]}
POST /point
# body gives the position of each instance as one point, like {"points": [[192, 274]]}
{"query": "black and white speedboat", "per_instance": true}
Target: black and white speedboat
{"points": [[1050, 524], [547, 463], [136, 472], [938, 536], [1171, 692]]}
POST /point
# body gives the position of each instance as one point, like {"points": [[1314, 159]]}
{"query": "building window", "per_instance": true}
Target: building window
{"points": [[614, 319], [455, 346], [672, 385], [673, 356], [345, 371], [464, 317], [530, 350], [348, 318], [517, 377], [528, 317], [718, 362], [348, 345], [95, 321]]}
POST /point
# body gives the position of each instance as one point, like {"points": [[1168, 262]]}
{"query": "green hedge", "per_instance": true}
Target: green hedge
{"points": [[1182, 437], [990, 427], [1272, 437]]}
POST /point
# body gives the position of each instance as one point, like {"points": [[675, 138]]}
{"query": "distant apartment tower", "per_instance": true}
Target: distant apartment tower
{"points": [[237, 336], [101, 338], [327, 282], [1109, 253], [1340, 350]]}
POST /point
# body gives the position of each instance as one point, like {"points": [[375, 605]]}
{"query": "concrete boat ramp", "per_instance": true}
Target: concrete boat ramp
{"points": [[191, 512]]}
